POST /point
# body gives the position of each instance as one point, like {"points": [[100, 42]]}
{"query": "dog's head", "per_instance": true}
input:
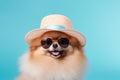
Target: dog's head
{"points": [[54, 44]]}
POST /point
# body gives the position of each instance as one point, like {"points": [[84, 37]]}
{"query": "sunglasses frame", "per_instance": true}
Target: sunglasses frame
{"points": [[63, 42]]}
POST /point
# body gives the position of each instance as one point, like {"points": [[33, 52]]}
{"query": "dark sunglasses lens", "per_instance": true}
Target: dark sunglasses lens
{"points": [[63, 42], [46, 43]]}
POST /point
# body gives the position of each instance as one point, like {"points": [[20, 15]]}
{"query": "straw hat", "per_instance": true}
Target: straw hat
{"points": [[55, 22]]}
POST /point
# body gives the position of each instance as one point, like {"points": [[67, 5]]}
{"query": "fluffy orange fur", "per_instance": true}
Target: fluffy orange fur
{"points": [[69, 67]]}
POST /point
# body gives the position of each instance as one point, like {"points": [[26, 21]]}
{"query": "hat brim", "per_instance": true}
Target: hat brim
{"points": [[38, 32]]}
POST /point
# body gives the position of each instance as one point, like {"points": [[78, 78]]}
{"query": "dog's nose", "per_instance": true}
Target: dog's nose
{"points": [[55, 45]]}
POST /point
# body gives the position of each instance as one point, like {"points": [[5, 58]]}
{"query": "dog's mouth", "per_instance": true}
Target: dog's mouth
{"points": [[56, 53]]}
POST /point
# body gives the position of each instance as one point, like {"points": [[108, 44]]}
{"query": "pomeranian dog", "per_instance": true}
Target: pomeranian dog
{"points": [[55, 52], [53, 56]]}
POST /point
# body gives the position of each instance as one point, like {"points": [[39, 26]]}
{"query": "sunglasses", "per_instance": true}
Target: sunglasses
{"points": [[46, 43]]}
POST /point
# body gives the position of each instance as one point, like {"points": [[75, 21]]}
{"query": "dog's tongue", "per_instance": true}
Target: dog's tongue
{"points": [[55, 53]]}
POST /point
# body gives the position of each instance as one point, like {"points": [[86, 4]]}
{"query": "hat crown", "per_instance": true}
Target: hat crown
{"points": [[56, 20]]}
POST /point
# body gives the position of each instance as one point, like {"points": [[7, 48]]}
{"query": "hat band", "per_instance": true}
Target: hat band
{"points": [[55, 27]]}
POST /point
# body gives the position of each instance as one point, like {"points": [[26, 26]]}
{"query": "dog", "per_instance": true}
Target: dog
{"points": [[55, 51], [53, 56]]}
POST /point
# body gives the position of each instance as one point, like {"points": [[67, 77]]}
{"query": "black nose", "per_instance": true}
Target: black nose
{"points": [[55, 45]]}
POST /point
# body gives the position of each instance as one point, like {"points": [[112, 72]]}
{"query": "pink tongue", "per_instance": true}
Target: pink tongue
{"points": [[55, 53]]}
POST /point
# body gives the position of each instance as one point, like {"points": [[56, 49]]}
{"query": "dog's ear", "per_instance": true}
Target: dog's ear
{"points": [[75, 43], [35, 42]]}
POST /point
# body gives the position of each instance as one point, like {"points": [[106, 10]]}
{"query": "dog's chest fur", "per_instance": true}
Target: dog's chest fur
{"points": [[51, 70]]}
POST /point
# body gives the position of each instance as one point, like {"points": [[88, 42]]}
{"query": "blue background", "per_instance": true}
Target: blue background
{"points": [[98, 20]]}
